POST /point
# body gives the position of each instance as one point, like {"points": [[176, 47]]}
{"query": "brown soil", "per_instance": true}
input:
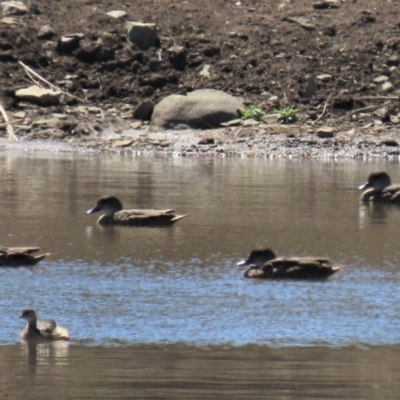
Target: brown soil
{"points": [[254, 49]]}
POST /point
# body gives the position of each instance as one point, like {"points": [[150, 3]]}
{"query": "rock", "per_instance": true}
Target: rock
{"points": [[9, 21], [116, 14], [250, 122], [233, 122], [45, 32], [67, 44], [387, 87], [323, 4], [394, 60], [205, 71], [177, 57], [303, 22], [142, 34], [311, 87], [325, 132], [122, 143], [13, 8], [342, 83], [389, 142], [200, 109], [382, 113], [380, 79], [144, 110], [50, 122], [37, 95], [19, 114], [324, 77], [135, 124]]}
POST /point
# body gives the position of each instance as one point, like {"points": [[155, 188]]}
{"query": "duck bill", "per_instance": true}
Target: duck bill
{"points": [[93, 210], [364, 186], [241, 263]]}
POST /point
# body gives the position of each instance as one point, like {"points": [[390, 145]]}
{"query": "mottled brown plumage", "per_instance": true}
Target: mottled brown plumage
{"points": [[264, 265], [114, 214], [20, 256]]}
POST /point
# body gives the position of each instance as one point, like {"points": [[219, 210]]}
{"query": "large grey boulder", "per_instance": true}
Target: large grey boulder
{"points": [[200, 109]]}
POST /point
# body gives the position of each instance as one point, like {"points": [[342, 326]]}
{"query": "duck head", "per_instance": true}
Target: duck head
{"points": [[377, 180], [28, 314], [258, 257], [108, 204]]}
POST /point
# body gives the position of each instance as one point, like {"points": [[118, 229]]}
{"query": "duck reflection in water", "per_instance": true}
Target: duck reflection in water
{"points": [[263, 264]]}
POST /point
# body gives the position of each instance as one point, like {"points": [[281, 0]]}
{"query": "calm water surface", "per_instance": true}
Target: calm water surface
{"points": [[165, 313]]}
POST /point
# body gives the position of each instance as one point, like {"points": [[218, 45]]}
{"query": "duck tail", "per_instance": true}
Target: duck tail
{"points": [[40, 258], [178, 217], [61, 333]]}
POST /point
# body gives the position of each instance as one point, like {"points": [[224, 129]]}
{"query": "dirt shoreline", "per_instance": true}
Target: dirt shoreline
{"points": [[337, 63], [285, 142]]}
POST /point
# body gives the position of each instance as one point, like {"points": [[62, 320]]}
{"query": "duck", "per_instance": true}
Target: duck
{"points": [[114, 214], [20, 256], [263, 264], [379, 189], [41, 329]]}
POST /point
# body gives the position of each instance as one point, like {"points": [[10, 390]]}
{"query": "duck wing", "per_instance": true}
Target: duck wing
{"points": [[299, 268], [146, 217], [46, 326]]}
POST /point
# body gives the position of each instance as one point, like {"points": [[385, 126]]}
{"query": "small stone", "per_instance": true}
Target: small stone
{"points": [[13, 8], [303, 22], [394, 119], [378, 122], [205, 72], [69, 43], [324, 77], [122, 143], [250, 122], [206, 140], [116, 14], [50, 123], [387, 87], [323, 4], [233, 122], [37, 95], [389, 142], [142, 34], [135, 124], [342, 83], [380, 79], [144, 110], [325, 132], [394, 60], [20, 114], [45, 32], [273, 100], [382, 113], [10, 21]]}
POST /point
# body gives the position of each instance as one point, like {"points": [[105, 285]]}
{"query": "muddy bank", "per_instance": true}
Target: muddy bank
{"points": [[269, 142]]}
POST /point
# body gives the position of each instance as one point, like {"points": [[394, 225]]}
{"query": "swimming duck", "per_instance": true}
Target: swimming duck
{"points": [[380, 189], [115, 215], [19, 256], [41, 329], [263, 264]]}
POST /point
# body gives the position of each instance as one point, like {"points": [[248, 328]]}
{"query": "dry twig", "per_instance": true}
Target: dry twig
{"points": [[30, 72], [324, 110], [9, 127]]}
